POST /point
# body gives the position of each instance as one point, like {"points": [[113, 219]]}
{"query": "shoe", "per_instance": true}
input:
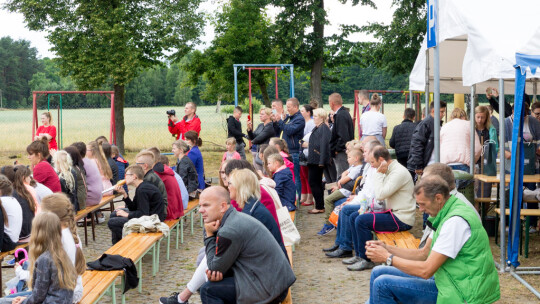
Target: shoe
{"points": [[315, 211], [330, 249], [101, 219], [339, 253], [533, 230], [362, 265], [352, 260], [173, 299], [326, 229], [307, 203], [11, 262]]}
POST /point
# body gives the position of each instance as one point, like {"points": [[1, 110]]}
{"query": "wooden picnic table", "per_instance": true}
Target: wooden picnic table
{"points": [[496, 179]]}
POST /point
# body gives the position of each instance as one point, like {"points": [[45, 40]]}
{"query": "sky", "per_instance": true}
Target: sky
{"points": [[12, 24]]}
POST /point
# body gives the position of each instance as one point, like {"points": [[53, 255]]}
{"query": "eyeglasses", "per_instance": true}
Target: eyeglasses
{"points": [[221, 172], [139, 163], [128, 174]]}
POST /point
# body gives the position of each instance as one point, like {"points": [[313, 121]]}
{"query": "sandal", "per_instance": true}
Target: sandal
{"points": [[315, 211], [307, 203]]}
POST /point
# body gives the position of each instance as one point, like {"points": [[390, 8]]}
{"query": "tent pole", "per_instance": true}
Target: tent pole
{"points": [[471, 114], [534, 89], [502, 177], [410, 98], [437, 105], [426, 106]]}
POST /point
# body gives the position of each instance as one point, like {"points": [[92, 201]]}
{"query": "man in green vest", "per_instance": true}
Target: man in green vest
{"points": [[457, 268]]}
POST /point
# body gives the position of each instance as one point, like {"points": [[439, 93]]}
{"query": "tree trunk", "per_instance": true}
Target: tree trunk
{"points": [[318, 52], [119, 97], [264, 91]]}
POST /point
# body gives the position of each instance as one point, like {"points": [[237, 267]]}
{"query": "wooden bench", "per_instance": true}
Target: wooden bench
{"points": [[97, 283], [401, 239], [4, 254], [91, 210], [193, 205], [524, 213]]}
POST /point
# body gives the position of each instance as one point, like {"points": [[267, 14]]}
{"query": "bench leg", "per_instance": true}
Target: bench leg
{"points": [[92, 215], [191, 215], [113, 293], [140, 275], [154, 257], [168, 245], [85, 231], [177, 233], [122, 284], [527, 223], [181, 232]]}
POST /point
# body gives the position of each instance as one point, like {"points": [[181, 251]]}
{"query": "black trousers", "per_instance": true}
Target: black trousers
{"points": [[315, 182], [116, 224]]}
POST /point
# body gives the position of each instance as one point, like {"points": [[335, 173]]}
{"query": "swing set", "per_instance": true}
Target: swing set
{"points": [[38, 94], [251, 67]]}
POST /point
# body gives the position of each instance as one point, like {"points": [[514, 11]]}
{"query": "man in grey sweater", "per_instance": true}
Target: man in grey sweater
{"points": [[245, 262]]}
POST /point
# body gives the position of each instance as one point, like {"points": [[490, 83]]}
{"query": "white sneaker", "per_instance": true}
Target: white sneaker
{"points": [[101, 219], [533, 230]]}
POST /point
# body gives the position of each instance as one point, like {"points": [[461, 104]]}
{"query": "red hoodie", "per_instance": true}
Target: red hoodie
{"points": [[175, 208], [180, 128]]}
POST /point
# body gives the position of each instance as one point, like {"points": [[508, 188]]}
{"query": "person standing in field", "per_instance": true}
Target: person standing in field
{"points": [[234, 130], [47, 131], [374, 122], [402, 135], [190, 122]]}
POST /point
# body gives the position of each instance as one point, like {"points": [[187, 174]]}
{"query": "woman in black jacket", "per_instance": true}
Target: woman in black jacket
{"points": [[261, 135], [318, 158]]}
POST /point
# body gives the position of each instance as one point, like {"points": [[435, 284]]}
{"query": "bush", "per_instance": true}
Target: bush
{"points": [[257, 104]]}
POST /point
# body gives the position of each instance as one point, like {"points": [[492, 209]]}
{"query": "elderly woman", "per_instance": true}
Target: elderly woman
{"points": [[261, 135], [318, 158], [456, 142]]}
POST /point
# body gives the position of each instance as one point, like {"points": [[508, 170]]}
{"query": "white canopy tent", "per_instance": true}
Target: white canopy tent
{"points": [[478, 41]]}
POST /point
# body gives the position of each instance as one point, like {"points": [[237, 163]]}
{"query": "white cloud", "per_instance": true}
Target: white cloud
{"points": [[12, 24]]}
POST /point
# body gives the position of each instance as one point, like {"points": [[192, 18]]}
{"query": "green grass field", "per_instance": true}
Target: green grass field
{"points": [[145, 127]]}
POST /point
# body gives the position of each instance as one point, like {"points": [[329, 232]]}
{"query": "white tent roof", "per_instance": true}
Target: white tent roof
{"points": [[478, 41]]}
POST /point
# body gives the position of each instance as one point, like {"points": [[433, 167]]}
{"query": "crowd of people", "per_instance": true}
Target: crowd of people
{"points": [[302, 156]]}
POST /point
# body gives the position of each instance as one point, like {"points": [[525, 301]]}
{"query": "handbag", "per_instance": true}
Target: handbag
{"points": [[529, 158], [290, 234], [489, 154]]}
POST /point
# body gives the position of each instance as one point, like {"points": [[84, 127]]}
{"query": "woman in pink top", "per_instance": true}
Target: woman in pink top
{"points": [[95, 152], [38, 151], [47, 131]]}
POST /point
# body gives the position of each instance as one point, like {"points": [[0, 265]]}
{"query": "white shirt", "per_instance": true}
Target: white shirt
{"points": [[71, 249], [14, 215], [454, 233], [372, 123], [354, 172], [42, 191], [183, 190]]}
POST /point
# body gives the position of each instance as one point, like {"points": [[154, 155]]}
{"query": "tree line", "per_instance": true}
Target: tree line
{"points": [[21, 72]]}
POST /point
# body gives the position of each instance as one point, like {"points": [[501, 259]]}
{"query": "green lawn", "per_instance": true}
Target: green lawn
{"points": [[145, 127]]}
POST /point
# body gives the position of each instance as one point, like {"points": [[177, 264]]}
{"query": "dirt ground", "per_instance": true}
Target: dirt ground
{"points": [[319, 279]]}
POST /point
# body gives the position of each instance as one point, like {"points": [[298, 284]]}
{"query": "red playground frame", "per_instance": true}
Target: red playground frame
{"points": [[37, 94]]}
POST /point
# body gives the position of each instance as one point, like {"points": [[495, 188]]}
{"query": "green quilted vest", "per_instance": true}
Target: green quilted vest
{"points": [[471, 277]]}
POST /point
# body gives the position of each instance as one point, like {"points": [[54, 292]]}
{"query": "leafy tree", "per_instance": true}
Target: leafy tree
{"points": [[97, 41], [243, 35], [299, 31], [400, 40], [18, 63]]}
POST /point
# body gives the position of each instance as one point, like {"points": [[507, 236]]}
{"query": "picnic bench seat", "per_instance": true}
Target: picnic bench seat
{"points": [[173, 224], [401, 239], [98, 283], [524, 213]]}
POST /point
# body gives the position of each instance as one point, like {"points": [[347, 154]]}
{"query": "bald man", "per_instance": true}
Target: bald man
{"points": [[238, 242]]}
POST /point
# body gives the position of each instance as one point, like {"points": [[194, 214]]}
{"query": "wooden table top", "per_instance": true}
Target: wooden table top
{"points": [[495, 179]]}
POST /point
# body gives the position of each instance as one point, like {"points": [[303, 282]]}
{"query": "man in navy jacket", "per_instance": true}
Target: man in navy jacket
{"points": [[291, 129]]}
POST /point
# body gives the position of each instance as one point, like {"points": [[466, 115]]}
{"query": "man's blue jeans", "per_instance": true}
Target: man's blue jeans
{"points": [[362, 226], [391, 285], [297, 181], [344, 234], [221, 292]]}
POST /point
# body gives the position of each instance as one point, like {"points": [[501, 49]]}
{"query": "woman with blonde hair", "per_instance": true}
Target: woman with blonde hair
{"points": [[63, 165], [261, 135], [373, 122], [318, 158], [485, 132], [94, 151], [456, 142], [52, 275]]}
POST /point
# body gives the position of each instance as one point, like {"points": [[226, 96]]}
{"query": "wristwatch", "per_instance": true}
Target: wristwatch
{"points": [[389, 260]]}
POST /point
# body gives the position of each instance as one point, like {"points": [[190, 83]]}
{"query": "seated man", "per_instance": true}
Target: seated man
{"points": [[344, 186], [284, 181], [240, 251], [145, 159], [459, 258], [391, 183], [342, 247], [147, 201]]}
